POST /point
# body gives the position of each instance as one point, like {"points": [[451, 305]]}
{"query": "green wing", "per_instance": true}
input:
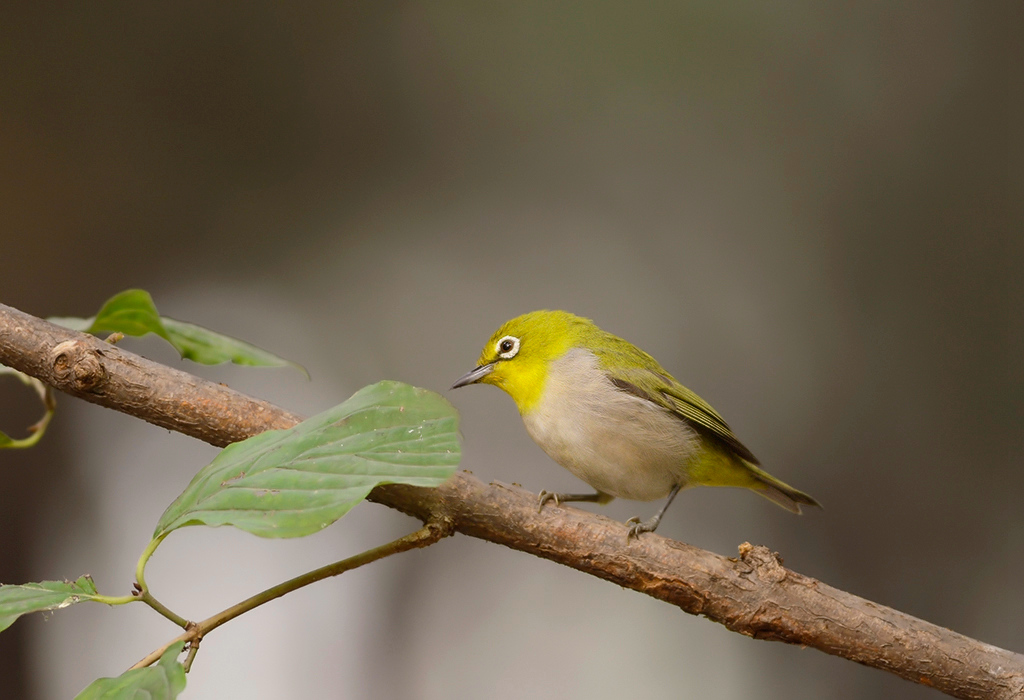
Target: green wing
{"points": [[632, 370], [692, 408]]}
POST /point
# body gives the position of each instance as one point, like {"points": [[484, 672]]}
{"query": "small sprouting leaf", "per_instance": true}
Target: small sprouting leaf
{"points": [[291, 483], [133, 312], [164, 680], [45, 395], [18, 600]]}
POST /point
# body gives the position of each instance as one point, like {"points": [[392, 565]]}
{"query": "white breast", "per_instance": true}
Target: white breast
{"points": [[618, 443]]}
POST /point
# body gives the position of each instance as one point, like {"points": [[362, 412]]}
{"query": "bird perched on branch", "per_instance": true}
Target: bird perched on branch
{"points": [[607, 411]]}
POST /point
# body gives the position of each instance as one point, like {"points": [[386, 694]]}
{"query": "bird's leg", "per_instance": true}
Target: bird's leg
{"points": [[545, 496], [636, 527]]}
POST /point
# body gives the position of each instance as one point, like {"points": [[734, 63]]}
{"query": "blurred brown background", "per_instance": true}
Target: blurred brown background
{"points": [[810, 213]]}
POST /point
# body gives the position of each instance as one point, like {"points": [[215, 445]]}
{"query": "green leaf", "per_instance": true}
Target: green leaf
{"points": [[164, 680], [45, 395], [133, 312], [18, 600], [208, 348], [291, 483]]}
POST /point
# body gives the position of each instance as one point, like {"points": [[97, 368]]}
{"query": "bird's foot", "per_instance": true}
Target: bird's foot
{"points": [[545, 496], [636, 527]]}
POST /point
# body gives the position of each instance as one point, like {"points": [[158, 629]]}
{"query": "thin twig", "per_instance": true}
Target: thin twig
{"points": [[193, 649], [425, 536]]}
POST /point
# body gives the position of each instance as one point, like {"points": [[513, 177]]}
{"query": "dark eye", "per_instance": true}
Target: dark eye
{"points": [[507, 347]]}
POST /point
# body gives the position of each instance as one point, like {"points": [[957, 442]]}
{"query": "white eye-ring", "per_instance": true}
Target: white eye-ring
{"points": [[507, 347]]}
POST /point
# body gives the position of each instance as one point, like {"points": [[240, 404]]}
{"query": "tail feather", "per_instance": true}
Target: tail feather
{"points": [[780, 493], [719, 466]]}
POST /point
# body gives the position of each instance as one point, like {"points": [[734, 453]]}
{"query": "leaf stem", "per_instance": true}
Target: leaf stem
{"points": [[146, 597], [37, 431], [113, 600], [425, 536], [142, 590], [140, 568]]}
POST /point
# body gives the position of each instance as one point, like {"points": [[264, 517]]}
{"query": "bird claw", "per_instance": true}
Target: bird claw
{"points": [[545, 496], [636, 527]]}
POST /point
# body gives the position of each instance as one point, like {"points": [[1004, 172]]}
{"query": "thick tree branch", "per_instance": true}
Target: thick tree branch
{"points": [[86, 367], [753, 595]]}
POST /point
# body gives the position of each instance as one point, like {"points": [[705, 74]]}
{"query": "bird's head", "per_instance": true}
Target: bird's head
{"points": [[519, 354]]}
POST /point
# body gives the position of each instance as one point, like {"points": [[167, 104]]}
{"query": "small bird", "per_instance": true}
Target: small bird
{"points": [[606, 410]]}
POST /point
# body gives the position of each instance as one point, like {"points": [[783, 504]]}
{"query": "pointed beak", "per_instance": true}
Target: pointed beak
{"points": [[472, 377]]}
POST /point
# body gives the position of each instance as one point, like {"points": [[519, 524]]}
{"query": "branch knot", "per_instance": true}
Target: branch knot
{"points": [[765, 562], [76, 362]]}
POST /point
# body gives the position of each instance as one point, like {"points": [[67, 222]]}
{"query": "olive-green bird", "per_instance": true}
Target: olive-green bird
{"points": [[607, 411]]}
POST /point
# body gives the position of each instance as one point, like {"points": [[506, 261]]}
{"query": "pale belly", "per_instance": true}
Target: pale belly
{"points": [[618, 443]]}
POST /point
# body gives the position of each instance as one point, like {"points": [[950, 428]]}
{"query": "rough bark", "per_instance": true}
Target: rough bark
{"points": [[101, 373], [752, 594]]}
